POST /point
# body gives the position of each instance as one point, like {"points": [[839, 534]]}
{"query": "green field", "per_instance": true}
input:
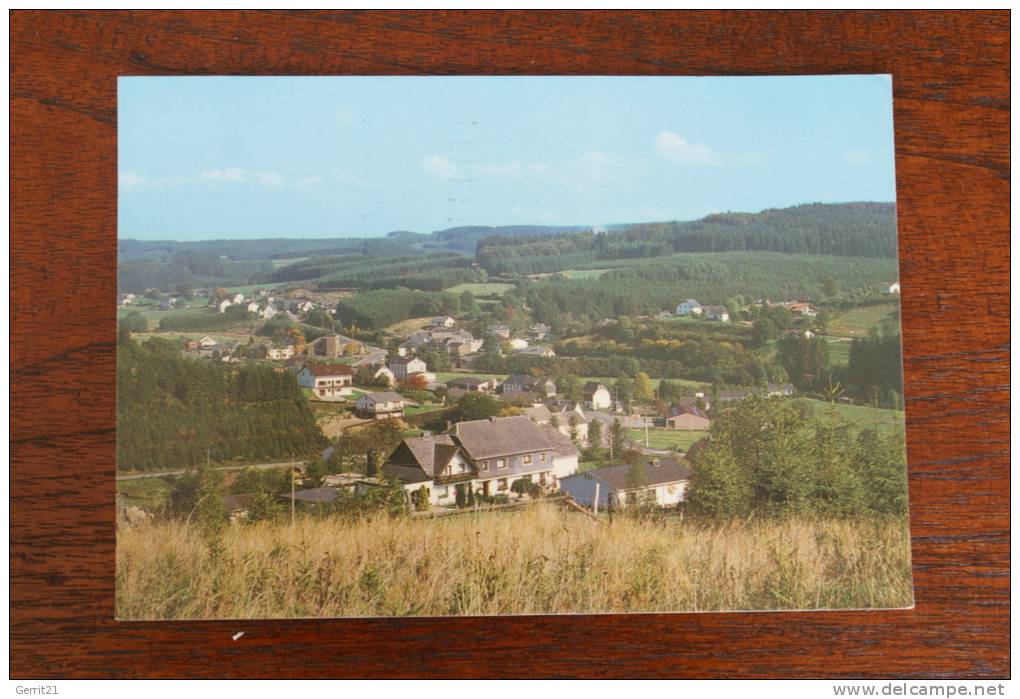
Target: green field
{"points": [[861, 417], [419, 409], [153, 315], [444, 376], [482, 289], [609, 381], [251, 287], [839, 350], [147, 493], [193, 335], [858, 321], [584, 273], [287, 261], [666, 439]]}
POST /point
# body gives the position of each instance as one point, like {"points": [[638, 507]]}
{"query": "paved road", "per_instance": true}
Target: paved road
{"points": [[181, 471], [628, 421], [375, 356]]}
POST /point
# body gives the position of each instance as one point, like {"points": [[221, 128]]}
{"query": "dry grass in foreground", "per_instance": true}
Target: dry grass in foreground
{"points": [[537, 561]]}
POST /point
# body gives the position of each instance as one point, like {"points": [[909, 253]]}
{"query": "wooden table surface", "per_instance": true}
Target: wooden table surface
{"points": [[952, 107]]}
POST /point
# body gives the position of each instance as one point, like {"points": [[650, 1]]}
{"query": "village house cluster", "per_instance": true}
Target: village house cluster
{"points": [[533, 450]]}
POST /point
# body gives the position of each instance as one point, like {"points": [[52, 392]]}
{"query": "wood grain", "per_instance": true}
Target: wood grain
{"points": [[952, 108]]}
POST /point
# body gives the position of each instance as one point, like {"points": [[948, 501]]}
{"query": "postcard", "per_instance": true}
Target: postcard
{"points": [[432, 346]]}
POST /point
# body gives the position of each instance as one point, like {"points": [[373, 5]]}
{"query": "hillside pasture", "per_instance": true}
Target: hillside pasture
{"points": [[404, 328], [192, 309], [839, 349], [585, 273], [858, 321], [659, 438], [860, 417], [482, 289]]}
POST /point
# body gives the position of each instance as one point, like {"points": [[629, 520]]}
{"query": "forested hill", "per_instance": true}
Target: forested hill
{"points": [[861, 229], [170, 410], [466, 238]]}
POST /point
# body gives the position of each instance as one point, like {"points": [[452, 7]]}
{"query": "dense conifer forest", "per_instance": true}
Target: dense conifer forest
{"points": [[428, 272], [377, 309], [172, 410], [863, 229], [711, 278]]}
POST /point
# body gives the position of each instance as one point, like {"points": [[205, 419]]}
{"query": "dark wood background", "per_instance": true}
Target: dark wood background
{"points": [[952, 108]]}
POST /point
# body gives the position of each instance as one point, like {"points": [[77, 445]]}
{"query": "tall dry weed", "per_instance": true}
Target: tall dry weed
{"points": [[537, 561]]}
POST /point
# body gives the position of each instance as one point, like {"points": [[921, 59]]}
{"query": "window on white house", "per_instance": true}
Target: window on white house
{"points": [[501, 484], [483, 465], [541, 457], [500, 463], [527, 459]]}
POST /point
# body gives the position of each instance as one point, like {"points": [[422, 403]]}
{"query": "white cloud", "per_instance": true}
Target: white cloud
{"points": [[264, 178], [227, 174], [515, 169], [855, 156], [270, 180], [677, 148], [595, 158], [310, 181], [129, 180], [440, 167]]}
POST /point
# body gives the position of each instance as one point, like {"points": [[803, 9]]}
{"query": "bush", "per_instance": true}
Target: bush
{"points": [[524, 486], [135, 322], [765, 456]]}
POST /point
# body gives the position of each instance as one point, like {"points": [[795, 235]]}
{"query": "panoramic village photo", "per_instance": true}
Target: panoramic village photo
{"points": [[443, 346]]}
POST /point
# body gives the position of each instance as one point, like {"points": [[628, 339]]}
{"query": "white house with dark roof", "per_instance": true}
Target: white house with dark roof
{"points": [[597, 396], [665, 482], [381, 405], [716, 313], [566, 417], [402, 367], [477, 384], [537, 351], [436, 463], [496, 452], [326, 380], [279, 353], [499, 330], [690, 307], [522, 383]]}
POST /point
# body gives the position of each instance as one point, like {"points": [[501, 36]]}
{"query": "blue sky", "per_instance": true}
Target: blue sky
{"points": [[255, 157]]}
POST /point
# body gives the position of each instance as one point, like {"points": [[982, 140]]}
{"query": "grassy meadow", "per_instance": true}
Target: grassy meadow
{"points": [[860, 417], [659, 438], [541, 560], [858, 321]]}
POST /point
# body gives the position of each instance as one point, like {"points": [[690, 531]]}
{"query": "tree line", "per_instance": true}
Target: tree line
{"points": [[861, 229], [192, 269], [429, 271], [657, 285], [174, 412], [383, 307], [766, 456]]}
